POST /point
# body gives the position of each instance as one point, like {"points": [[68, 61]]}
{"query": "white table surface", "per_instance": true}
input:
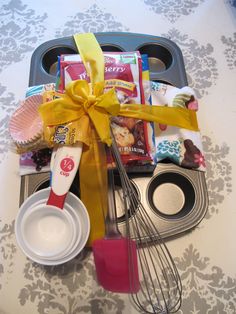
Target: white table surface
{"points": [[206, 257]]}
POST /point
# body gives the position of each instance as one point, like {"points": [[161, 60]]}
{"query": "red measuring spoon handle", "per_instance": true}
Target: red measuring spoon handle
{"points": [[56, 200]]}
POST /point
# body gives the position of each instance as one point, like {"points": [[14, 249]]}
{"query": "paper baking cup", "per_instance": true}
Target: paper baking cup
{"points": [[25, 125]]}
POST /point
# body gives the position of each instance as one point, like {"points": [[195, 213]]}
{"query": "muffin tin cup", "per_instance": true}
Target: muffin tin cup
{"points": [[188, 206], [171, 195]]}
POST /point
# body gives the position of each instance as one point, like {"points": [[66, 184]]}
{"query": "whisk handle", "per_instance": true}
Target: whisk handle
{"points": [[111, 224]]}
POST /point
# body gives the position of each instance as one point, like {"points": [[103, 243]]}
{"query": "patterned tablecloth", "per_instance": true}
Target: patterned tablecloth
{"points": [[206, 256]]}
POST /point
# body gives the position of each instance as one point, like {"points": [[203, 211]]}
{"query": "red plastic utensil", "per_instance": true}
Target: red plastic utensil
{"points": [[115, 257]]}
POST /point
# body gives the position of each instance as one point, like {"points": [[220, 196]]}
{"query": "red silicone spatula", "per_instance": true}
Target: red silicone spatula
{"points": [[115, 256]]}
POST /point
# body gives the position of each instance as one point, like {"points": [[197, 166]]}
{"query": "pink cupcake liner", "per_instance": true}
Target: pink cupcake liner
{"points": [[25, 125]]}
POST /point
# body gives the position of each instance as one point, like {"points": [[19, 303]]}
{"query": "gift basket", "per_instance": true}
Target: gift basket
{"points": [[109, 123]]}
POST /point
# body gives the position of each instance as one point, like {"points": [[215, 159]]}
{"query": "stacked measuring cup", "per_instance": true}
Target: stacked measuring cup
{"points": [[52, 225]]}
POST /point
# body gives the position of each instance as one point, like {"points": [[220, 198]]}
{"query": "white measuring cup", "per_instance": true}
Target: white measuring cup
{"points": [[72, 201], [67, 246], [48, 234], [65, 166]]}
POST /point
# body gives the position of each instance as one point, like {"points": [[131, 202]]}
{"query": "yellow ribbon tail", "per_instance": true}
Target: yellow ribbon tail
{"points": [[175, 116], [92, 56], [101, 123], [93, 186]]}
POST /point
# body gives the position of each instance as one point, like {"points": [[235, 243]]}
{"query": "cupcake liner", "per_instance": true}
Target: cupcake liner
{"points": [[37, 144], [25, 125]]}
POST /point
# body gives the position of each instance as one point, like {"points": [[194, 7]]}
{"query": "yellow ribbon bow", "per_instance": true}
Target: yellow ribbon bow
{"points": [[80, 105]]}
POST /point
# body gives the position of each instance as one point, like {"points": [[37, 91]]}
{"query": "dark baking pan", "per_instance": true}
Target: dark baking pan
{"points": [[186, 202], [165, 57]]}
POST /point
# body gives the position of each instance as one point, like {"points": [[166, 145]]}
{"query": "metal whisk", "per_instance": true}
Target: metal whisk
{"points": [[160, 284]]}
